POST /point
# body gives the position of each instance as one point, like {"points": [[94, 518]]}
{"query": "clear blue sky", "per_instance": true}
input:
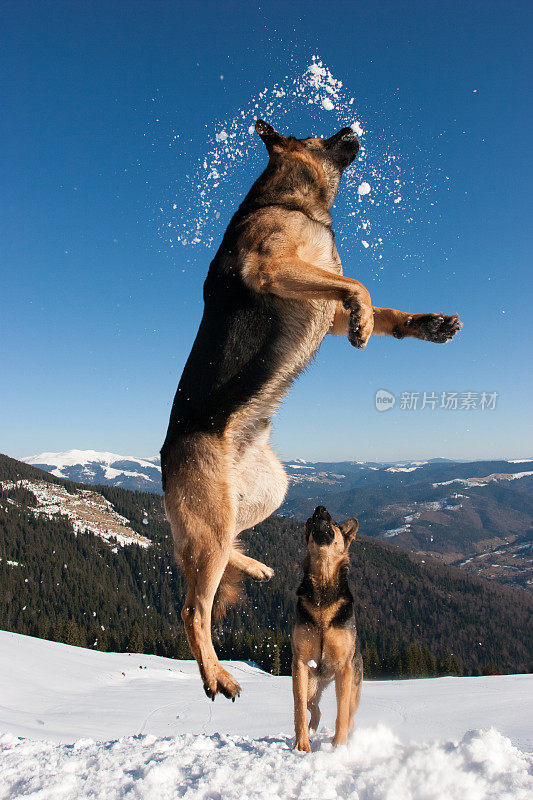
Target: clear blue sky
{"points": [[98, 313]]}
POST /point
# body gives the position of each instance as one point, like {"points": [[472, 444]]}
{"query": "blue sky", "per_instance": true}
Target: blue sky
{"points": [[109, 107]]}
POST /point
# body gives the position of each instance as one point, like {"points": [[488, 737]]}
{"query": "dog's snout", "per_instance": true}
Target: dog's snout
{"points": [[319, 526], [344, 136], [342, 147], [321, 512], [348, 134]]}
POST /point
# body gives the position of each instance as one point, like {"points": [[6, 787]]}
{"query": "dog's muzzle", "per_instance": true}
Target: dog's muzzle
{"points": [[319, 527]]}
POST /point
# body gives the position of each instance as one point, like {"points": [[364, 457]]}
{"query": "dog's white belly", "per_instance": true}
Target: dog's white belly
{"points": [[260, 482]]}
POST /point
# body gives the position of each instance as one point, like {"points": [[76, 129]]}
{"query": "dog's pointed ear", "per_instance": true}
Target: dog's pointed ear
{"points": [[268, 134], [349, 529]]}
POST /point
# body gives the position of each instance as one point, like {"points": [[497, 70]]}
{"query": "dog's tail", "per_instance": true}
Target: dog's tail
{"points": [[229, 590]]}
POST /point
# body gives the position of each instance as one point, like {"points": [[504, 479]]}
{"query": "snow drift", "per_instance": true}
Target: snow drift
{"points": [[373, 765]]}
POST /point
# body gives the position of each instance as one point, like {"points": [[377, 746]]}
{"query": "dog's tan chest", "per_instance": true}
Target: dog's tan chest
{"points": [[322, 615], [317, 247]]}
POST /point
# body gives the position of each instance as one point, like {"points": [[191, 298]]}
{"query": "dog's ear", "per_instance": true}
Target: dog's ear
{"points": [[268, 134], [349, 529]]}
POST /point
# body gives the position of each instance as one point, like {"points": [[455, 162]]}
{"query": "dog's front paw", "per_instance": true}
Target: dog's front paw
{"points": [[302, 743], [265, 574], [221, 682], [360, 324], [339, 739], [437, 328]]}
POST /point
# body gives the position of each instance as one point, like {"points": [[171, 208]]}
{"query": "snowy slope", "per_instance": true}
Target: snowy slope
{"points": [[105, 725], [86, 510]]}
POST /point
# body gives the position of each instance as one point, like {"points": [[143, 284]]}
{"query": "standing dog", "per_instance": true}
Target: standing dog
{"points": [[325, 631], [274, 290]]}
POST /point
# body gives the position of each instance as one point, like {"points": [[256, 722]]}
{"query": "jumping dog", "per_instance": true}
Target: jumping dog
{"points": [[325, 645], [274, 289]]}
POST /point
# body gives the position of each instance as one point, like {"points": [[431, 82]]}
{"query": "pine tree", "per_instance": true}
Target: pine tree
{"points": [[136, 642], [490, 668], [276, 665], [371, 662], [73, 634]]}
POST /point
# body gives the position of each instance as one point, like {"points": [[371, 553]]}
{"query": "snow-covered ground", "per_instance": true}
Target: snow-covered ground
{"points": [[105, 725]]}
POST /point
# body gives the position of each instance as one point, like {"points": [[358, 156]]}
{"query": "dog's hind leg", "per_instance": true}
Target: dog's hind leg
{"points": [[261, 488], [261, 482], [203, 572], [201, 510]]}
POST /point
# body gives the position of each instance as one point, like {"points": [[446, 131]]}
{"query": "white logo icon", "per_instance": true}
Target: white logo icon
{"points": [[384, 400]]}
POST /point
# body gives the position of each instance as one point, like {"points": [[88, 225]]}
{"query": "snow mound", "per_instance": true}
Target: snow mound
{"points": [[495, 476], [374, 765]]}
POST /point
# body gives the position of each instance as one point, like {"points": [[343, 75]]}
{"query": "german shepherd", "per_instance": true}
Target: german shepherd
{"points": [[273, 291], [325, 632]]}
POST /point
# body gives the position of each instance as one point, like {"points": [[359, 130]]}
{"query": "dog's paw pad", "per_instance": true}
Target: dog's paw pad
{"points": [[438, 328], [355, 336]]}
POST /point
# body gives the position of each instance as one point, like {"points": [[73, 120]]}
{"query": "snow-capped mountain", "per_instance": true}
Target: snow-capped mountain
{"points": [[108, 469]]}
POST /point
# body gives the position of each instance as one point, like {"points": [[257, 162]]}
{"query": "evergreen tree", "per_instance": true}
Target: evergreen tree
{"points": [[276, 665], [136, 643]]}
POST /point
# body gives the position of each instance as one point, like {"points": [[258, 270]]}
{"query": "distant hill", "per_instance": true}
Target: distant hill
{"points": [[476, 515], [117, 588]]}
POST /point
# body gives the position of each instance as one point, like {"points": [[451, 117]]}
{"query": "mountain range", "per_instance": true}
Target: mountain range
{"points": [[144, 474], [477, 515]]}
